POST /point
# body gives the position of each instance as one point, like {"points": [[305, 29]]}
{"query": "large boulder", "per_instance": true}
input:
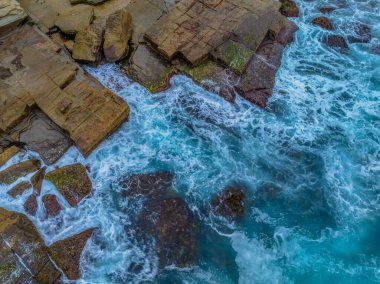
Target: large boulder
{"points": [[66, 253], [72, 182], [87, 44], [166, 217], [229, 203], [11, 15], [12, 173], [75, 19], [23, 252], [117, 35]]}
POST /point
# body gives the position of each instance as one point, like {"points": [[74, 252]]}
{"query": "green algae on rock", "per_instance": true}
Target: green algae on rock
{"points": [[12, 173], [72, 182]]}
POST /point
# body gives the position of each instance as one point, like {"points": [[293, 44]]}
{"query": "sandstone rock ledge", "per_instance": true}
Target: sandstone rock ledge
{"points": [[39, 75]]}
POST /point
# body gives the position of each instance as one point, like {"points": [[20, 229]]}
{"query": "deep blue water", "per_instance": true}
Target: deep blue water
{"points": [[310, 162]]}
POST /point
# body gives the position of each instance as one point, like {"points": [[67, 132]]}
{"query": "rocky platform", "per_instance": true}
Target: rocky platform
{"points": [[227, 46]]}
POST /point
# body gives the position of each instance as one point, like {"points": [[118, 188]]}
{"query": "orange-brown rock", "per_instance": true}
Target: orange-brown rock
{"points": [[23, 252], [12, 173], [72, 182], [44, 76], [75, 19], [66, 253], [289, 8], [87, 44], [117, 35], [229, 203]]}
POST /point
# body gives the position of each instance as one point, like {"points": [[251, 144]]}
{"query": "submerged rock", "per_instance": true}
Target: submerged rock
{"points": [[289, 8], [66, 253], [335, 41], [72, 182], [166, 217], [16, 171], [323, 22], [23, 252], [117, 35], [51, 205], [8, 154], [75, 19], [87, 44], [359, 32], [326, 9], [19, 188], [229, 203]]}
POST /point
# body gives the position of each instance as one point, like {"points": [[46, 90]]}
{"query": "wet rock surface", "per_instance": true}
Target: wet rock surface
{"points": [[19, 189], [323, 22], [72, 182], [12, 173], [335, 41], [229, 203], [289, 8], [66, 253], [7, 154], [51, 205], [26, 255], [166, 217]]}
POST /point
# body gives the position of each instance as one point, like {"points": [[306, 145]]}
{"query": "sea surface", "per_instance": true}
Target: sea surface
{"points": [[310, 163]]}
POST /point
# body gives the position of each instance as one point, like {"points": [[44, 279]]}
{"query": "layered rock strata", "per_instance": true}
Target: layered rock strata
{"points": [[42, 76]]}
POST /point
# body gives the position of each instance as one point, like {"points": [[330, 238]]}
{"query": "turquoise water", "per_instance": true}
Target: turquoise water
{"points": [[310, 162]]}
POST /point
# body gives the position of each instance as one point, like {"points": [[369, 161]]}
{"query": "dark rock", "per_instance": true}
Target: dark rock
{"points": [[4, 73], [335, 41], [19, 189], [23, 251], [51, 204], [229, 203], [16, 171], [152, 184], [165, 216], [323, 22], [326, 10], [359, 32], [72, 182], [31, 205], [66, 253], [289, 8], [173, 225]]}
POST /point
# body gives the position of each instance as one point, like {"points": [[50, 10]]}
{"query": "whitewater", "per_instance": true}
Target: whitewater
{"points": [[310, 162]]}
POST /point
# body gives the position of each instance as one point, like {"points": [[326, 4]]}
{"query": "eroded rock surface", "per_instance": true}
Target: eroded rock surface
{"points": [[72, 182], [87, 44], [19, 188], [24, 254], [11, 15], [75, 19], [51, 205], [44, 76], [208, 41], [66, 253]]}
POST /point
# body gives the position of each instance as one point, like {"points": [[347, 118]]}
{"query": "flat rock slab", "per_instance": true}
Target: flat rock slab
{"points": [[72, 182], [24, 250], [75, 19], [43, 76], [66, 253], [12, 173], [217, 43]]}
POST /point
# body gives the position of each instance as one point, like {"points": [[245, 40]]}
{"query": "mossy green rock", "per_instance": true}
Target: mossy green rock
{"points": [[12, 173], [72, 182]]}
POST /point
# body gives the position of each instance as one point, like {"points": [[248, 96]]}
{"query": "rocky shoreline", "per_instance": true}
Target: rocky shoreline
{"points": [[48, 103]]}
